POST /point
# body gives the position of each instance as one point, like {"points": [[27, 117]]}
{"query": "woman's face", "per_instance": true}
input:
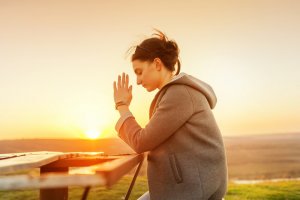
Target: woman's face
{"points": [[147, 74]]}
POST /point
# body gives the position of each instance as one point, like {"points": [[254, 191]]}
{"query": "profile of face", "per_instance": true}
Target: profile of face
{"points": [[147, 73]]}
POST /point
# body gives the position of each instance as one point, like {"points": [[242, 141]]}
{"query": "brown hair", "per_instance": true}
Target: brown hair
{"points": [[158, 46]]}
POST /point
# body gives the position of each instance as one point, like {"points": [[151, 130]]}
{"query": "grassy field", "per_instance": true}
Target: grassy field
{"points": [[286, 190]]}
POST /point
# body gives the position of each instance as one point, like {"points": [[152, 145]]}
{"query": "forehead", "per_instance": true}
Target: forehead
{"points": [[139, 65]]}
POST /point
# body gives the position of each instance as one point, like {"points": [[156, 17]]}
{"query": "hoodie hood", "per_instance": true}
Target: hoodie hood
{"points": [[197, 84]]}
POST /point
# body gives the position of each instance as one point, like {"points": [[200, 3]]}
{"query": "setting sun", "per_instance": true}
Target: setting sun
{"points": [[92, 134]]}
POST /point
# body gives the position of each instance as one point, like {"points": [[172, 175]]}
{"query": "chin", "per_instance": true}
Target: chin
{"points": [[150, 89]]}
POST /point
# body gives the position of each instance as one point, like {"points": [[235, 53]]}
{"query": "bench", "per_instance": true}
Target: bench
{"points": [[55, 176]]}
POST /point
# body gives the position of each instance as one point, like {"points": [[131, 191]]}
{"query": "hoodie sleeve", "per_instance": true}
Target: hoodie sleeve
{"points": [[174, 109]]}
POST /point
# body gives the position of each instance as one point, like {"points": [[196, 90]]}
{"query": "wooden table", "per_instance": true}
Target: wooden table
{"points": [[55, 177]]}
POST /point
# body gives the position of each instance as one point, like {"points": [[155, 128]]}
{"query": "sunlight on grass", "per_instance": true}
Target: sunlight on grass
{"points": [[266, 191]]}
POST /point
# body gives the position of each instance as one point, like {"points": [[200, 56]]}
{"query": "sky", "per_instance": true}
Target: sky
{"points": [[59, 58]]}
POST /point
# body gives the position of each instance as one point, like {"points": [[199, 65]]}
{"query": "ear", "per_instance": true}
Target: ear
{"points": [[158, 64]]}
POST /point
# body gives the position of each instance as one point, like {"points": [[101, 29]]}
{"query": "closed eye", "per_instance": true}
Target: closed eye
{"points": [[137, 72]]}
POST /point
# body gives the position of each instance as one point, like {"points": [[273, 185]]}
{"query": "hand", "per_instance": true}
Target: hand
{"points": [[121, 90]]}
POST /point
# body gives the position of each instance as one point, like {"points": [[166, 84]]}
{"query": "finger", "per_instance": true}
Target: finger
{"points": [[119, 81], [130, 89], [123, 79], [115, 87], [127, 81]]}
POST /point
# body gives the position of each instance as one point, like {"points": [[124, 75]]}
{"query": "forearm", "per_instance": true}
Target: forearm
{"points": [[130, 132], [123, 109], [124, 114]]}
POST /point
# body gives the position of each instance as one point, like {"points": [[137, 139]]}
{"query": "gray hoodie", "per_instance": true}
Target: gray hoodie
{"points": [[186, 158]]}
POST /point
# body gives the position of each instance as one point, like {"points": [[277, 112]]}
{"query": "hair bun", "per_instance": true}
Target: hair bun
{"points": [[172, 46]]}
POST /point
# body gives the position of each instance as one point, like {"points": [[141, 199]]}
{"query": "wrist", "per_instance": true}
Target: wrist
{"points": [[119, 103], [123, 109]]}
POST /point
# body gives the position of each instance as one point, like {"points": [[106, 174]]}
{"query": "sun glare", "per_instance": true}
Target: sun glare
{"points": [[92, 134]]}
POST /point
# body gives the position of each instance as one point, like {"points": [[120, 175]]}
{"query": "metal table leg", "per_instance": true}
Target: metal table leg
{"points": [[133, 180], [87, 189]]}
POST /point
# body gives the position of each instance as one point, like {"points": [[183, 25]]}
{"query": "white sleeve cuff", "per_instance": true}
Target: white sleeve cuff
{"points": [[122, 120]]}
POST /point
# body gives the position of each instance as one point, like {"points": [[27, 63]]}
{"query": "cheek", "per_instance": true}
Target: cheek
{"points": [[143, 76], [147, 74]]}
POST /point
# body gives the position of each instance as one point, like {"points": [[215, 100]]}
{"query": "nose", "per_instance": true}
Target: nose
{"points": [[138, 81]]}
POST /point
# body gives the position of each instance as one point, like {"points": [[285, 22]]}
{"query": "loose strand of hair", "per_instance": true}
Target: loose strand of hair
{"points": [[160, 35], [178, 67], [129, 51]]}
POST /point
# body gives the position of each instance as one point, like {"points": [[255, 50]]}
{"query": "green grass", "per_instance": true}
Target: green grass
{"points": [[285, 190], [266, 191]]}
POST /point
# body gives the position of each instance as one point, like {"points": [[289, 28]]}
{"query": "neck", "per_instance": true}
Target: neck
{"points": [[166, 79]]}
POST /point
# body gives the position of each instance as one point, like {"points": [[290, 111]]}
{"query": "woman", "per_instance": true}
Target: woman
{"points": [[186, 158]]}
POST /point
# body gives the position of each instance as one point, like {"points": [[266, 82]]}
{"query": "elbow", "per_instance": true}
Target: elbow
{"points": [[136, 140], [139, 149]]}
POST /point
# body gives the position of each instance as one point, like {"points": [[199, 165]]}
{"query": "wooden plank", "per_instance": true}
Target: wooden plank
{"points": [[51, 180], [114, 170], [80, 161], [31, 160], [7, 156]]}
